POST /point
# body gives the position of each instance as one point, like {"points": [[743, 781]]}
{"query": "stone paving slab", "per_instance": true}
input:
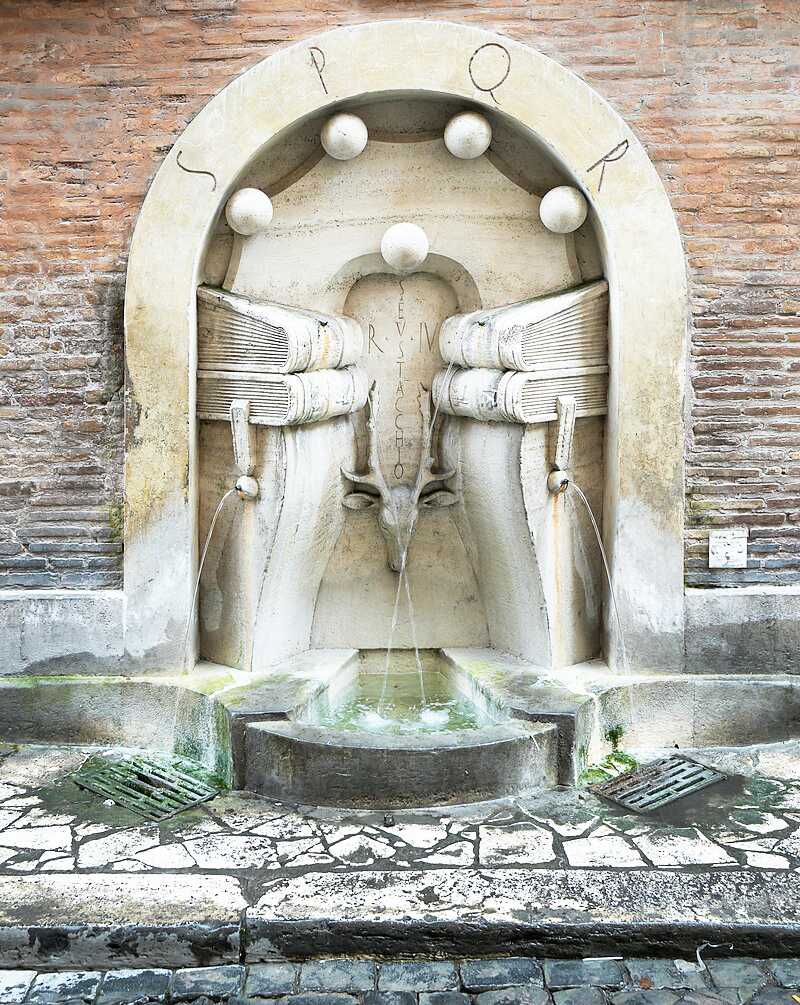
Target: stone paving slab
{"points": [[245, 879], [530, 911], [117, 919]]}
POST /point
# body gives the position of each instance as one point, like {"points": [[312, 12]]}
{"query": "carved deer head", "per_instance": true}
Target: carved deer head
{"points": [[398, 506]]}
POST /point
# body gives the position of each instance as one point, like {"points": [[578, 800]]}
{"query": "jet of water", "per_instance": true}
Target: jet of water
{"points": [[192, 610], [403, 546], [597, 534]]}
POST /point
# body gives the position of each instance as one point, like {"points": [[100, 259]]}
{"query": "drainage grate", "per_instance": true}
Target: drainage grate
{"points": [[657, 784], [153, 788]]}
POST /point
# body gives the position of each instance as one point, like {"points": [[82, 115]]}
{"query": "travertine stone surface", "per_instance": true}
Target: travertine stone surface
{"points": [[329, 216], [558, 869], [643, 263]]}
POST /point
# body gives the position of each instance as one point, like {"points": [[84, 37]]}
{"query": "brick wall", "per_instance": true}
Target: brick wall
{"points": [[94, 93]]}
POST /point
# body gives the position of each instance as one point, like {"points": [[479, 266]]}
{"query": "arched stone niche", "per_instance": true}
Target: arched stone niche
{"points": [[642, 258]]}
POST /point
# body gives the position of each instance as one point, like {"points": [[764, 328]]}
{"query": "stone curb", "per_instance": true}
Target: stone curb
{"points": [[85, 926]]}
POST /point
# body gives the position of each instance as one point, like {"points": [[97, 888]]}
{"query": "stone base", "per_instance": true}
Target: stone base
{"points": [[110, 921]]}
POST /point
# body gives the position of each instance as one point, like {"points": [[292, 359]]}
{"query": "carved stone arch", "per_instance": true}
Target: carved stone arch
{"points": [[447, 269], [643, 260]]}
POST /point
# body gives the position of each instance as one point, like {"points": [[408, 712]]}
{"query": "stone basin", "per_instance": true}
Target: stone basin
{"points": [[415, 735], [293, 733]]}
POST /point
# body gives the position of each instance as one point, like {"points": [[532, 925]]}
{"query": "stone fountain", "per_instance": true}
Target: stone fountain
{"points": [[407, 393], [393, 317]]}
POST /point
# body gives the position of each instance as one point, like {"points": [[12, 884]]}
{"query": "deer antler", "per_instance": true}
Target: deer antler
{"points": [[373, 476], [426, 475]]}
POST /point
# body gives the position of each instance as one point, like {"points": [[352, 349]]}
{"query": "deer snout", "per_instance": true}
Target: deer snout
{"points": [[397, 526]]}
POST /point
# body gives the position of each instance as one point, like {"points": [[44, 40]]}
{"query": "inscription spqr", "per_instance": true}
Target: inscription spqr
{"points": [[318, 62], [614, 154], [488, 68]]}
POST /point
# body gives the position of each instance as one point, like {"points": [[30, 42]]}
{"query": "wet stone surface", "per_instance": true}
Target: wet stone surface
{"points": [[47, 825], [426, 975], [592, 982], [516, 971], [243, 846], [583, 973]]}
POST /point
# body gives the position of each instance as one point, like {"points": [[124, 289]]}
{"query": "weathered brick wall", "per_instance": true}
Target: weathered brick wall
{"points": [[94, 93]]}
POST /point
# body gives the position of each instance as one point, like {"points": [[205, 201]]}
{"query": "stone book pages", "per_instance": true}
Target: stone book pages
{"points": [[565, 329], [510, 396], [282, 399], [237, 333]]}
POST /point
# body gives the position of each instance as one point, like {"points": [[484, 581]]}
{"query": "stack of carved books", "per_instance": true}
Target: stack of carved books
{"points": [[512, 363], [293, 366]]}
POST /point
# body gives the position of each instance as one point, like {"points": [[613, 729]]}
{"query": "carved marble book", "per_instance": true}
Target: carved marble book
{"points": [[565, 329], [282, 399], [237, 333], [509, 396]]}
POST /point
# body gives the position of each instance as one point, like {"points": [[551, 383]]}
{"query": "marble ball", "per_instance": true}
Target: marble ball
{"points": [[248, 211], [467, 135], [563, 209], [344, 136], [404, 246]]}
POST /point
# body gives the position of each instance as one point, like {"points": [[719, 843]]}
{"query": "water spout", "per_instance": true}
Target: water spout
{"points": [[398, 505]]}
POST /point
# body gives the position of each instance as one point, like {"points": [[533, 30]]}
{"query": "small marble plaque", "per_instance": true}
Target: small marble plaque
{"points": [[727, 549]]}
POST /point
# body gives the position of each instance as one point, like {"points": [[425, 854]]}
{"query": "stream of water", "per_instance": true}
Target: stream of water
{"points": [[192, 610], [403, 546], [597, 534]]}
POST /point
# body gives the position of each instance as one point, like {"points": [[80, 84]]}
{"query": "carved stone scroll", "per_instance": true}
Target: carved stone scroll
{"points": [[509, 396], [237, 333], [569, 328], [282, 399]]}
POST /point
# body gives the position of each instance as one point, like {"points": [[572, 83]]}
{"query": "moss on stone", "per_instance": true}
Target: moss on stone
{"points": [[116, 521]]}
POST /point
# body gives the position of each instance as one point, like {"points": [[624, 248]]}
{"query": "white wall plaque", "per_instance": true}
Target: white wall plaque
{"points": [[727, 549]]}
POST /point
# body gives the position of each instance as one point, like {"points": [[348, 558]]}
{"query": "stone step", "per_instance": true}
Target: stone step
{"points": [[113, 920]]}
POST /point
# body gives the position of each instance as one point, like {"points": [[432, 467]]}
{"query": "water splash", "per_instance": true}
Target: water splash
{"points": [[192, 610], [613, 595], [355, 707]]}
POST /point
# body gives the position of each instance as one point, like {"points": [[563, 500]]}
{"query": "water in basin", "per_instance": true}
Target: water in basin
{"points": [[402, 702]]}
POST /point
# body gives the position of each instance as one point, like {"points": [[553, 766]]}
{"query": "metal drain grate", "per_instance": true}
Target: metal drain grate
{"points": [[658, 784], [152, 788]]}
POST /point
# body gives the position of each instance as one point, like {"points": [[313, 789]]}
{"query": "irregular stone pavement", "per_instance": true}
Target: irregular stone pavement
{"points": [[47, 825], [66, 859]]}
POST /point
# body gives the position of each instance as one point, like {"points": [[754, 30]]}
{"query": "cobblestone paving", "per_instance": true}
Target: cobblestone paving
{"points": [[515, 981], [48, 826]]}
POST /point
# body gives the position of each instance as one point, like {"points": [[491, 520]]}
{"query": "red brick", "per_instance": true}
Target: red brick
{"points": [[96, 93]]}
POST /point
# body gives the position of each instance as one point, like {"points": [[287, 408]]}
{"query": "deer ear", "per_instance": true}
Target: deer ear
{"points": [[435, 500], [359, 500]]}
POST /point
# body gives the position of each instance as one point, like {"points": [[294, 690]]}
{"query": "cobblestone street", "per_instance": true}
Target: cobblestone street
{"points": [[506, 981]]}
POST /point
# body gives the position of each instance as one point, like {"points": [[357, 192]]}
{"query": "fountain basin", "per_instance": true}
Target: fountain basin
{"points": [[297, 762], [291, 733], [415, 735]]}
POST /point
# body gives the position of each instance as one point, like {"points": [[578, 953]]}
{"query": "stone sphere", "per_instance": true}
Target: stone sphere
{"points": [[404, 246], [248, 211], [563, 209], [467, 135], [344, 136]]}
